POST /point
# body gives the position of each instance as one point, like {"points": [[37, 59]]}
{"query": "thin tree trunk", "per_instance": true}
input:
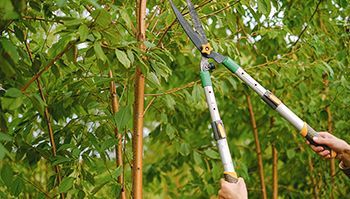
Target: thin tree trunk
{"points": [[52, 139], [258, 149], [274, 166], [48, 121], [313, 179], [137, 140], [274, 172], [118, 146], [329, 129]]}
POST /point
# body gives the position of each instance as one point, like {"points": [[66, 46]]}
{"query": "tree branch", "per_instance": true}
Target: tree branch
{"points": [[51, 63], [173, 90], [307, 25]]}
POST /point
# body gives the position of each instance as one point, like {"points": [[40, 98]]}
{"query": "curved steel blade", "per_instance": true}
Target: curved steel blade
{"points": [[196, 22], [188, 29]]}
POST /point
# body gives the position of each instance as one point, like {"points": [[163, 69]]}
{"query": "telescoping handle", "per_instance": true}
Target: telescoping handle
{"points": [[275, 103], [218, 129]]}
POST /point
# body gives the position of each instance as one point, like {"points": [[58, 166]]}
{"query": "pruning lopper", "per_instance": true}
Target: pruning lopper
{"points": [[199, 39]]}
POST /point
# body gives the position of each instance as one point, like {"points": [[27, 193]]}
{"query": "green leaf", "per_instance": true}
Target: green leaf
{"points": [[102, 17], [290, 153], [170, 131], [11, 103], [329, 69], [60, 160], [66, 184], [123, 116], [184, 149], [7, 174], [59, 46], [99, 52], [152, 77], [19, 33], [13, 92], [83, 32], [5, 137], [212, 154], [262, 7], [17, 186], [3, 151], [123, 58], [38, 103], [149, 44], [10, 49], [131, 56]]}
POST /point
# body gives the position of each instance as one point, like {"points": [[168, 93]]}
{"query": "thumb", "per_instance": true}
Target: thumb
{"points": [[321, 140]]}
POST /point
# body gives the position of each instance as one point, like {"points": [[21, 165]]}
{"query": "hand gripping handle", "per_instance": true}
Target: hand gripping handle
{"points": [[309, 133], [231, 177]]}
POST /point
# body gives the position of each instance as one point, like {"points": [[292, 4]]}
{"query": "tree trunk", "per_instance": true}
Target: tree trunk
{"points": [[258, 149], [137, 140], [118, 146]]}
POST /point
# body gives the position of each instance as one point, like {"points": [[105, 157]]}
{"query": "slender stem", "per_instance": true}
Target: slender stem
{"points": [[119, 145], [315, 190], [149, 104], [220, 10], [47, 67], [258, 149], [274, 165], [173, 90], [48, 122], [51, 136], [275, 172], [307, 25], [137, 139], [329, 129]]}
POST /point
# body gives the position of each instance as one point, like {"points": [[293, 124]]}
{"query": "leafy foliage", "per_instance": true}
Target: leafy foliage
{"points": [[288, 46]]}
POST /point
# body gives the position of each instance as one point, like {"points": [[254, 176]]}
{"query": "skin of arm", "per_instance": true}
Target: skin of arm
{"points": [[233, 190]]}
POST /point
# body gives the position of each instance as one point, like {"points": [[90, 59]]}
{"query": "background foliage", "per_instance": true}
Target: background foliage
{"points": [[288, 46]]}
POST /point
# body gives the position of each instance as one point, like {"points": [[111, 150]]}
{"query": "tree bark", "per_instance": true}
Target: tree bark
{"points": [[274, 172], [258, 149], [137, 140], [118, 146]]}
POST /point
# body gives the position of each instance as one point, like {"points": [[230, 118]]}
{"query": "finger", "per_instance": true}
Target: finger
{"points": [[317, 148], [222, 181], [220, 193], [324, 153], [321, 140], [307, 142]]}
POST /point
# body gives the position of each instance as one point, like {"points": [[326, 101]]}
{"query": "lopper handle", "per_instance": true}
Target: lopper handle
{"points": [[309, 133], [231, 177]]}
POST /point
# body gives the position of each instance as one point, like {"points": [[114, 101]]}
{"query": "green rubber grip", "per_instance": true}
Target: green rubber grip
{"points": [[230, 64], [205, 78]]}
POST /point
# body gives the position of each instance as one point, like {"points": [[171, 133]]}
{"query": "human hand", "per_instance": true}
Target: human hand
{"points": [[233, 190], [337, 145]]}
